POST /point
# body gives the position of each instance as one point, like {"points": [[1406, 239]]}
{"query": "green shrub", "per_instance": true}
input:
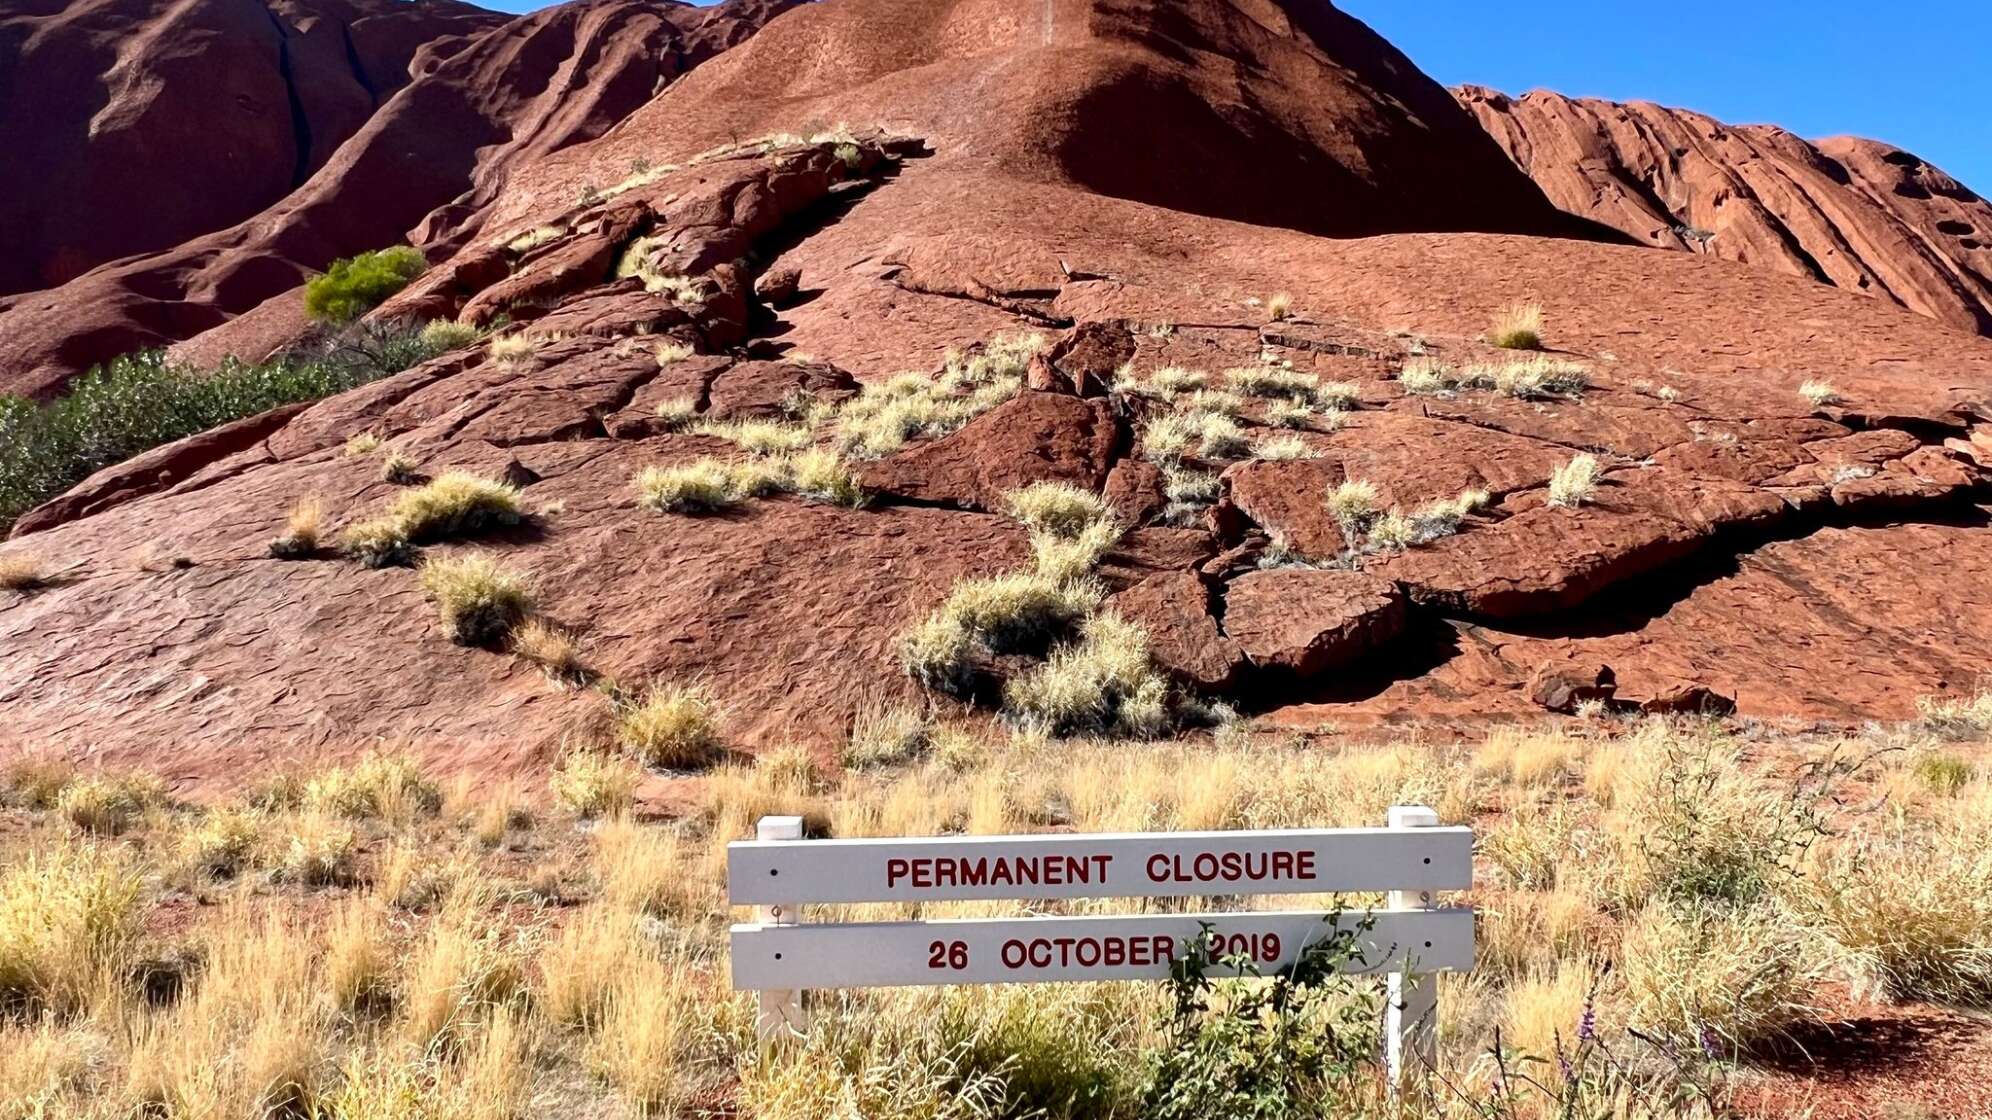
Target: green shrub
{"points": [[1298, 1045], [140, 401], [356, 285]]}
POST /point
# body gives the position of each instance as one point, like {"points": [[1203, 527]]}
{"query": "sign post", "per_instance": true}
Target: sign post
{"points": [[780, 1010], [1412, 859], [1412, 1001]]}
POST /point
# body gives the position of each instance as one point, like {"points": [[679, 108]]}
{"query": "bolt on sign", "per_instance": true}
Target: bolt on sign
{"points": [[780, 955]]}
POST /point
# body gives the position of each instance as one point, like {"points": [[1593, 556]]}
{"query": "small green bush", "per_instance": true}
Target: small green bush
{"points": [[140, 401], [1298, 1044], [356, 285]]}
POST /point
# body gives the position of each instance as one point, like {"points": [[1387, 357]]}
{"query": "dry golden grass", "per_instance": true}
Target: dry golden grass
{"points": [[20, 571], [1819, 394], [672, 726], [549, 646], [1574, 483], [1518, 327], [595, 785], [478, 599], [703, 486], [582, 968], [304, 526]]}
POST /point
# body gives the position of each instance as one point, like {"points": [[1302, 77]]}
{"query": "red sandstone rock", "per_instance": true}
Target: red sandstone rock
{"points": [[1036, 437], [1174, 608], [1561, 686], [425, 166], [1854, 213], [132, 126], [1704, 560], [1305, 621]]}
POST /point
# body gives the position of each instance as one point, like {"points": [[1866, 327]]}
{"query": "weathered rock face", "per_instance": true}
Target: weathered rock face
{"points": [[1305, 622], [1742, 544], [424, 166], [1857, 214], [135, 125]]}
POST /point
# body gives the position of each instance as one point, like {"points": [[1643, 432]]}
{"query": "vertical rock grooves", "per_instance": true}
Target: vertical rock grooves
{"points": [[300, 120]]}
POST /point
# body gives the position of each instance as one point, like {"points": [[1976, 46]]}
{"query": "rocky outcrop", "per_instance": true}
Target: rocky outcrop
{"points": [[1305, 622], [423, 167], [1805, 557], [1857, 214], [135, 125]]}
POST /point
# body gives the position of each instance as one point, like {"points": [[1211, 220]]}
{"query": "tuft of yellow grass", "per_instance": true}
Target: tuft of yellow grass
{"points": [[594, 785], [1427, 377], [456, 504], [318, 851], [1819, 393], [1279, 306], [549, 646], [21, 571], [702, 486], [1283, 449], [304, 525], [514, 349], [107, 804], [69, 927], [1574, 483], [441, 335], [223, 843], [760, 437], [1715, 977], [400, 468], [672, 726], [1353, 505], [462, 972], [1103, 683], [1058, 508], [884, 733], [383, 784], [478, 600], [1517, 327]]}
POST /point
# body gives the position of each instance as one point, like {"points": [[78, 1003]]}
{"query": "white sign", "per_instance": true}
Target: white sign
{"points": [[1110, 865], [780, 955], [1107, 947]]}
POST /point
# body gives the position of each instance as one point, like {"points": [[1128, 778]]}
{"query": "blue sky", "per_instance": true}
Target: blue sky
{"points": [[1917, 74]]}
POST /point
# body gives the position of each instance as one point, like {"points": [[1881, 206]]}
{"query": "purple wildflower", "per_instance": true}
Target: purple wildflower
{"points": [[1711, 1046], [1587, 1023]]}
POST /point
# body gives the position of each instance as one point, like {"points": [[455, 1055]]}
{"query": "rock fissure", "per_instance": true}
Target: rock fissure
{"points": [[300, 120]]}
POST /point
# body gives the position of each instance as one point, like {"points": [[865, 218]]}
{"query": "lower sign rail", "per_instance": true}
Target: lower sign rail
{"points": [[1093, 947]]}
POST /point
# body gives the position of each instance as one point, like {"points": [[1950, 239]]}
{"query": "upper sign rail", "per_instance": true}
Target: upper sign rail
{"points": [[1109, 865]]}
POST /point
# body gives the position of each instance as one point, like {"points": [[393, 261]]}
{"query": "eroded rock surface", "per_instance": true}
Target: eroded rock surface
{"points": [[1809, 561], [1854, 213]]}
